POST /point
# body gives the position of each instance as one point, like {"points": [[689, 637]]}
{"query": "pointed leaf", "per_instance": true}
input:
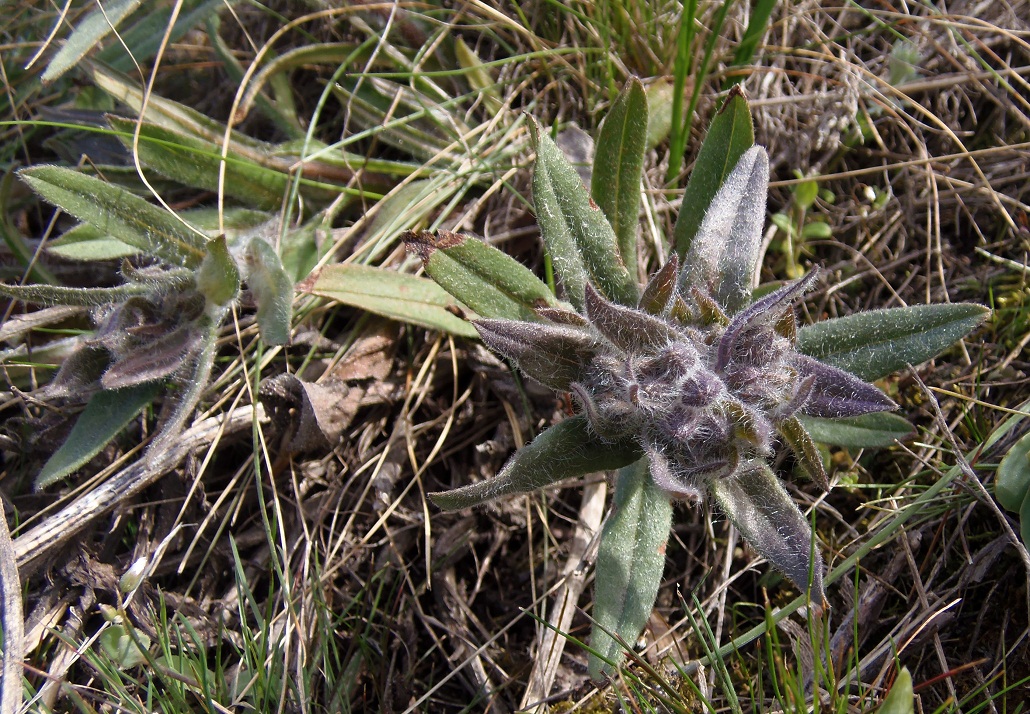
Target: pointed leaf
{"points": [[625, 327], [723, 255], [901, 698], [156, 360], [869, 431], [579, 238], [408, 298], [805, 450], [567, 449], [618, 163], [273, 291], [766, 515], [486, 279], [836, 393], [661, 288], [117, 212], [874, 344], [630, 563], [729, 136], [107, 413], [88, 33], [1012, 481], [554, 355]]}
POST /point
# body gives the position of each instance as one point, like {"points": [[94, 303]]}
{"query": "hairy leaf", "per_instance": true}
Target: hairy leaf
{"points": [[630, 563], [107, 413], [408, 298], [218, 278], [88, 33], [575, 231], [118, 213], [874, 344], [723, 255], [489, 281], [618, 163], [567, 449], [729, 136], [272, 289], [765, 514], [554, 355]]}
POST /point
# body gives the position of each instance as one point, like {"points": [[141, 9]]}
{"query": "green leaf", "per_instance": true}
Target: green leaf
{"points": [[756, 26], [195, 162], [88, 33], [272, 288], [218, 278], [723, 255], [107, 413], [118, 213], [805, 193], [730, 135], [874, 344], [142, 40], [120, 646], [408, 298], [900, 699], [818, 229], [581, 242], [630, 563], [569, 448], [766, 515], [1012, 481], [659, 111], [868, 431], [486, 279], [618, 163], [86, 242]]}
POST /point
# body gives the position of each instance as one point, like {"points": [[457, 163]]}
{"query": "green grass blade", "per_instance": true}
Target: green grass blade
{"points": [[486, 279], [730, 135], [97, 25], [630, 563], [107, 413], [118, 213], [756, 26], [577, 235], [618, 163], [874, 344], [407, 298]]}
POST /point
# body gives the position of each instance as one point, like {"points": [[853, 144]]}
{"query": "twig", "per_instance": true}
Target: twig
{"points": [[552, 643], [13, 622], [65, 524]]}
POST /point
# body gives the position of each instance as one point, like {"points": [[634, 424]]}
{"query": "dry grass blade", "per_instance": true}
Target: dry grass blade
{"points": [[58, 529], [12, 622]]}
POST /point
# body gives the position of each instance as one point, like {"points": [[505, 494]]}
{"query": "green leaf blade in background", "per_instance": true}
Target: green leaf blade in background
{"points": [[399, 296], [730, 135], [272, 288], [630, 564], [489, 281], [876, 343], [1012, 480], [618, 164], [581, 242], [88, 33], [106, 414], [118, 213], [567, 449], [868, 431]]}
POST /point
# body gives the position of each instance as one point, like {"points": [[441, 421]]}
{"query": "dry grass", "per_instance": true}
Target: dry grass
{"points": [[305, 575]]}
